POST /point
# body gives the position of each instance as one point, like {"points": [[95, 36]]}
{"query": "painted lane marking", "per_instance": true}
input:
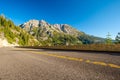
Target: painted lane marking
{"points": [[78, 59]]}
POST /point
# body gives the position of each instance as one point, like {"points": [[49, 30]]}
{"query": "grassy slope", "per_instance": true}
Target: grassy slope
{"points": [[15, 34]]}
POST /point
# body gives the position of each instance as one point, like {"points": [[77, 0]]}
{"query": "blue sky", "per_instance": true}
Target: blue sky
{"points": [[94, 17]]}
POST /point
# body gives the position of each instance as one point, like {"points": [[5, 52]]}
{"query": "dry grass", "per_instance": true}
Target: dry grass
{"points": [[91, 47]]}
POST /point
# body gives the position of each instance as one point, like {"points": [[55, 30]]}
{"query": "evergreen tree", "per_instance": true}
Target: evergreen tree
{"points": [[108, 39], [118, 38]]}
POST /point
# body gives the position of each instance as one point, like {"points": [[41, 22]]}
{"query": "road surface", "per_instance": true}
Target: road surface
{"points": [[40, 64]]}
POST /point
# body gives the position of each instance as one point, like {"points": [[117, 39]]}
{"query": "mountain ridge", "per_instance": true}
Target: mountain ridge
{"points": [[65, 28], [43, 30]]}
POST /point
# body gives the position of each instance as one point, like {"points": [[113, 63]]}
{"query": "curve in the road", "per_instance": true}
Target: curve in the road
{"points": [[79, 59]]}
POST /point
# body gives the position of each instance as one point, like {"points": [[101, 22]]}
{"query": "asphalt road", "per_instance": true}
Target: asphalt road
{"points": [[40, 64]]}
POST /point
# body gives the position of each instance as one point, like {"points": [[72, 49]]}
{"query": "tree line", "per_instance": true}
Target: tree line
{"points": [[110, 41]]}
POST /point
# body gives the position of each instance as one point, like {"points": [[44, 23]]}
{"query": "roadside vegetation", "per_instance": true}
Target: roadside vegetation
{"points": [[108, 46], [88, 47], [14, 34]]}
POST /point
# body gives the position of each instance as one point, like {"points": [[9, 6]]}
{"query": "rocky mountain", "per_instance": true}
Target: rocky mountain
{"points": [[49, 28], [52, 34], [57, 34]]}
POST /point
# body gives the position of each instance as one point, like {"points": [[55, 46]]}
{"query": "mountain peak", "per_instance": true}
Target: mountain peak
{"points": [[43, 21]]}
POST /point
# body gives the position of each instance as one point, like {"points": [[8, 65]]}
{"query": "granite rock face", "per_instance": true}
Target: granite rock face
{"points": [[42, 24]]}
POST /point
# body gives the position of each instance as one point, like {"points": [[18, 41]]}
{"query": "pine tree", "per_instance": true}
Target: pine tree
{"points": [[108, 39], [118, 38]]}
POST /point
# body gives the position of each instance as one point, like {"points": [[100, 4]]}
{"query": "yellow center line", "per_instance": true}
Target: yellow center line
{"points": [[78, 59]]}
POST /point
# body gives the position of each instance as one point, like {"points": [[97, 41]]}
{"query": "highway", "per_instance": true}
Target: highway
{"points": [[43, 64]]}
